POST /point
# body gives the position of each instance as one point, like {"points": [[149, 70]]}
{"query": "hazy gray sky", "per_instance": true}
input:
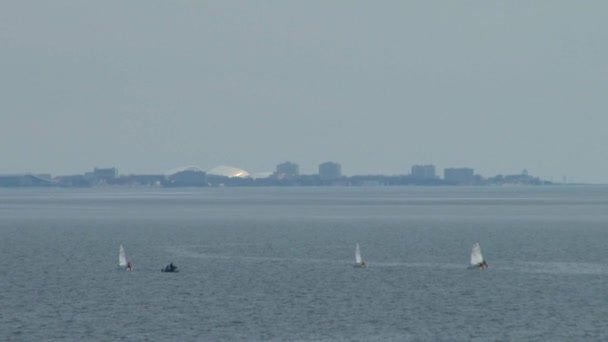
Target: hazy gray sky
{"points": [[378, 86]]}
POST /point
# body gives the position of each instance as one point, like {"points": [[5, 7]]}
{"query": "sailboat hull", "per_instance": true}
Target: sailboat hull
{"points": [[360, 265]]}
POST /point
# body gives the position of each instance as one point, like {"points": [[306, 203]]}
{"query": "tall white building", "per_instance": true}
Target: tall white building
{"points": [[423, 172], [330, 171], [287, 170], [463, 175]]}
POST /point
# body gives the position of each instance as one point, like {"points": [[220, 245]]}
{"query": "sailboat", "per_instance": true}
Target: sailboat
{"points": [[122, 259], [477, 260], [358, 261]]}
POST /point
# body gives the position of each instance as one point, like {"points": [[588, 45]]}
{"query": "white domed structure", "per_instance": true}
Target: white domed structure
{"points": [[228, 171]]}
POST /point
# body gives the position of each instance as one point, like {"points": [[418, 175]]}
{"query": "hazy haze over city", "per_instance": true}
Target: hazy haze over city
{"points": [[148, 86]]}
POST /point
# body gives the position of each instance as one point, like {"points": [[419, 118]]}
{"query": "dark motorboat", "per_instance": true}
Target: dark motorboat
{"points": [[170, 268]]}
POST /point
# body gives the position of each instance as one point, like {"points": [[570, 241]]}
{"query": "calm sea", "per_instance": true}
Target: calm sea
{"points": [[277, 264]]}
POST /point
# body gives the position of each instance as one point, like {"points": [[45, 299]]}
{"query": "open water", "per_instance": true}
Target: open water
{"points": [[277, 264]]}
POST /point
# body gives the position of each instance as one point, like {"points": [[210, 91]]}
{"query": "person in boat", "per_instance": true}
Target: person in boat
{"points": [[363, 263], [128, 266]]}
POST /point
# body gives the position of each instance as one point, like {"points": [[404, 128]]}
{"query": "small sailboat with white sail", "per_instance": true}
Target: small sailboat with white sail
{"points": [[122, 259], [477, 260], [359, 263]]}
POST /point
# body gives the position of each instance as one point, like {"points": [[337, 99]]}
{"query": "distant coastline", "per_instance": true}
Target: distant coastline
{"points": [[286, 175]]}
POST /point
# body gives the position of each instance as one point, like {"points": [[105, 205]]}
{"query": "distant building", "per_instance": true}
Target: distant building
{"points": [[105, 175], [189, 177], [73, 181], [143, 180], [287, 170], [330, 171], [459, 175], [423, 172], [45, 176], [259, 175], [24, 180]]}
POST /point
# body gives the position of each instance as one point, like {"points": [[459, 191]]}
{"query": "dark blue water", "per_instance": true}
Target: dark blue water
{"points": [[276, 264]]}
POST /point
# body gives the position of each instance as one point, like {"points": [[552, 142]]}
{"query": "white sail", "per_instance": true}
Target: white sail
{"points": [[357, 255], [476, 257], [122, 259]]}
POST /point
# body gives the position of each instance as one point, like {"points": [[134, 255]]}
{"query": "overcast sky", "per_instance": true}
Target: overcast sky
{"points": [[148, 86]]}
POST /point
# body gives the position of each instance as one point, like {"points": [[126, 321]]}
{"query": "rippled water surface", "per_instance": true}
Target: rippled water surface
{"points": [[276, 264]]}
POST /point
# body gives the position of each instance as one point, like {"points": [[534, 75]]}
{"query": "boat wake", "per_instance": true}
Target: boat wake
{"points": [[430, 265], [217, 256], [564, 268]]}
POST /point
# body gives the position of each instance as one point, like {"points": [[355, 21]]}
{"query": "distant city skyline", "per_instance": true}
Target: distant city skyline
{"points": [[307, 170], [328, 169], [150, 86], [285, 174]]}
